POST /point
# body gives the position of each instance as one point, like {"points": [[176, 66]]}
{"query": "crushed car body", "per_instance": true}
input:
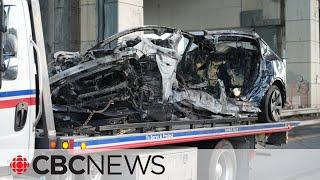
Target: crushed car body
{"points": [[155, 73]]}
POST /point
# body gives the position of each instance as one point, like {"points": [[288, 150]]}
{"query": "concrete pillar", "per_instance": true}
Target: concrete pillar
{"points": [[47, 15], [302, 50], [102, 18], [88, 24], [61, 25], [120, 15], [130, 14], [67, 26]]}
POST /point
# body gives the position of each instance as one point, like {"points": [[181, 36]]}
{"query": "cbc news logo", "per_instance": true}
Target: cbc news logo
{"points": [[60, 164], [19, 165]]}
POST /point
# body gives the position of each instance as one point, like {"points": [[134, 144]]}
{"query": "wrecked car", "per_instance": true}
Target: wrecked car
{"points": [[158, 74]]}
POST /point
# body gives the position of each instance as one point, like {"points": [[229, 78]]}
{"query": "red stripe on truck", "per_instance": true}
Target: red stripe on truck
{"points": [[14, 102]]}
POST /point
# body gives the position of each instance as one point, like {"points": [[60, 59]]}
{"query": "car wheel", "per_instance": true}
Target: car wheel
{"points": [[271, 106]]}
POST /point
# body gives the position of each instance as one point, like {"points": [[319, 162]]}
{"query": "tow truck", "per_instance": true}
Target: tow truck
{"points": [[26, 108]]}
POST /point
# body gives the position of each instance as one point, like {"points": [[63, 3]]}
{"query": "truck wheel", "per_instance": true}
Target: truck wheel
{"points": [[223, 162], [271, 106], [94, 172]]}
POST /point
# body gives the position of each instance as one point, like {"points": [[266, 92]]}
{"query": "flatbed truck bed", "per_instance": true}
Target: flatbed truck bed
{"points": [[169, 137]]}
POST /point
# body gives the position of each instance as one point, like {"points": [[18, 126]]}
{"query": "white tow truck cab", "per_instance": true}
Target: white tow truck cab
{"points": [[20, 93], [26, 107]]}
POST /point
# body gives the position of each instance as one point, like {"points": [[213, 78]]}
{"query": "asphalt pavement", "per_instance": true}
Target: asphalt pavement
{"points": [[297, 160], [305, 137]]}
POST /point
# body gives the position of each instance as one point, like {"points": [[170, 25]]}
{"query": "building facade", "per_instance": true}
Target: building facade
{"points": [[290, 27]]}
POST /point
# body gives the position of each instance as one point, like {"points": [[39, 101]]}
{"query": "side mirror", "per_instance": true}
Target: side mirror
{"points": [[11, 68], [11, 45]]}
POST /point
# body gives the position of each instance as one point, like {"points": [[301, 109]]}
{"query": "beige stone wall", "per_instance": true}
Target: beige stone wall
{"points": [[130, 14], [205, 14], [88, 21], [302, 49], [271, 8], [191, 15]]}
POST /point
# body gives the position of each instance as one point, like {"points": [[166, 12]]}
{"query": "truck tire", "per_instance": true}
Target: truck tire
{"points": [[223, 162], [94, 173], [217, 163], [271, 106]]}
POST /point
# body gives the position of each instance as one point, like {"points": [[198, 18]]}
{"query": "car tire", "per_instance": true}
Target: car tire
{"points": [[271, 106]]}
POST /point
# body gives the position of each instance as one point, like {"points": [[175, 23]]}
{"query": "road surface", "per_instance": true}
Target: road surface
{"points": [[305, 137], [297, 160]]}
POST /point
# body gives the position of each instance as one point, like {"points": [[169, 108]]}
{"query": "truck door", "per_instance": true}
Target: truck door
{"points": [[18, 94]]}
